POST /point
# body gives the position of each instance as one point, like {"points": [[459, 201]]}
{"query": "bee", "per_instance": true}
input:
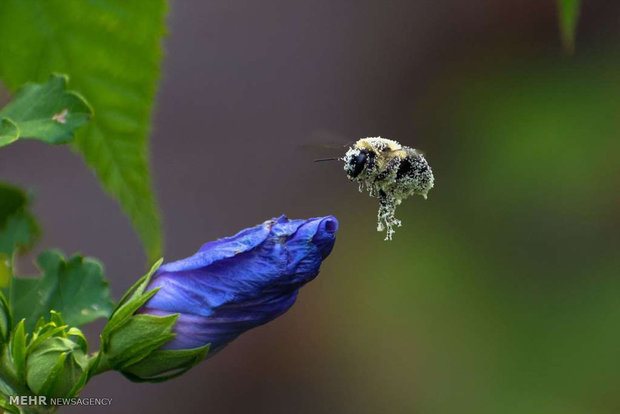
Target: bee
{"points": [[390, 172]]}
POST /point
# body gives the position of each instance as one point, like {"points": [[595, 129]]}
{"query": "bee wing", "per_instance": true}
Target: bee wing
{"points": [[329, 136], [326, 145], [418, 151], [322, 152], [325, 139]]}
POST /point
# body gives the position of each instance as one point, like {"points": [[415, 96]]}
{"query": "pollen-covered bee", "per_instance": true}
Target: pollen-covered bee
{"points": [[390, 172]]}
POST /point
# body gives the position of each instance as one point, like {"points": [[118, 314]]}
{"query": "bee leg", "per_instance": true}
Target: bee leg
{"points": [[385, 216]]}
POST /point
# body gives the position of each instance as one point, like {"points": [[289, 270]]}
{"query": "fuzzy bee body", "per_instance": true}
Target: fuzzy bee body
{"points": [[390, 172]]}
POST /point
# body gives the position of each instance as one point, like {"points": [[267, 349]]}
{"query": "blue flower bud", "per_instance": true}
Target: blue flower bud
{"points": [[240, 282]]}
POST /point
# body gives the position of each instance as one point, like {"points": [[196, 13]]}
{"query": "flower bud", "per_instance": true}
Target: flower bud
{"points": [[173, 316], [56, 359], [240, 282]]}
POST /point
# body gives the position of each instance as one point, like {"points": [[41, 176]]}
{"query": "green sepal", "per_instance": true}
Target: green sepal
{"points": [[49, 384], [138, 288], [79, 338], [18, 350], [56, 367], [48, 333], [136, 339], [9, 383], [128, 337], [124, 314], [131, 301], [164, 364]]}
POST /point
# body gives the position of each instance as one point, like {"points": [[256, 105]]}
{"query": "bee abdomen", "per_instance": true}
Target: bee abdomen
{"points": [[405, 168], [412, 166], [415, 174]]}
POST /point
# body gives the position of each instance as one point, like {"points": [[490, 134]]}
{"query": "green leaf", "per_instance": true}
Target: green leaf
{"points": [[569, 15], [18, 228], [9, 131], [111, 50], [44, 111], [75, 287]]}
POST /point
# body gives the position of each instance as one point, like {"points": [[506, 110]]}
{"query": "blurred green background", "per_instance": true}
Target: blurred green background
{"points": [[500, 293]]}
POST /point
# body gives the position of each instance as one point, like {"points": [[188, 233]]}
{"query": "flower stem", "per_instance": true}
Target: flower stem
{"points": [[98, 364]]}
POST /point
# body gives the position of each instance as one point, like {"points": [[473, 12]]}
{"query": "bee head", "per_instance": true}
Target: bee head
{"points": [[355, 160]]}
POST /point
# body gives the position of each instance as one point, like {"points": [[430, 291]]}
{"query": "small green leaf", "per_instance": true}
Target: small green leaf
{"points": [[111, 50], [75, 287], [44, 111], [9, 131], [18, 228], [569, 15]]}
